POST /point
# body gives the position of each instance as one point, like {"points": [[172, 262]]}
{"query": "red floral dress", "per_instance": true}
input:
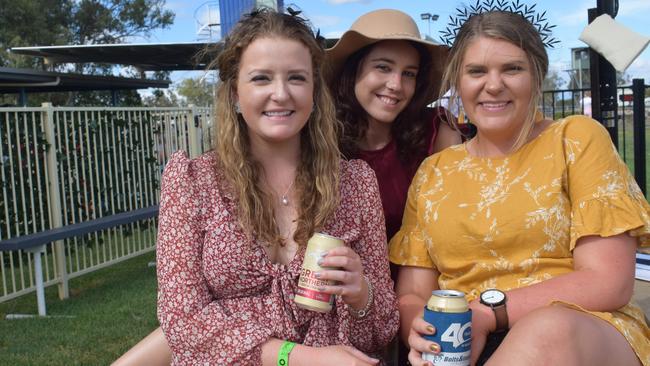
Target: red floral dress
{"points": [[220, 297]]}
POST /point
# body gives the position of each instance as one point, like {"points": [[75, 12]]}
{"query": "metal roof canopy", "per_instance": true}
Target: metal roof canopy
{"points": [[34, 81], [145, 57]]}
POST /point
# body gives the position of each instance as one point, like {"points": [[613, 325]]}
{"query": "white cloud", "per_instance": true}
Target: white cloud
{"points": [[180, 8], [640, 68], [633, 7], [324, 21], [339, 2], [334, 34], [559, 66]]}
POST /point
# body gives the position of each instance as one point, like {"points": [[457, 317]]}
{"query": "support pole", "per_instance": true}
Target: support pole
{"points": [[603, 79], [638, 117], [55, 201], [38, 274]]}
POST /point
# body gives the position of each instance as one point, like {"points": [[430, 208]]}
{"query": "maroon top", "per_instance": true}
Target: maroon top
{"points": [[394, 176], [220, 297]]}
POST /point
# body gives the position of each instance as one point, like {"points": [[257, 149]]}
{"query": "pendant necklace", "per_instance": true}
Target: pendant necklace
{"points": [[285, 199]]}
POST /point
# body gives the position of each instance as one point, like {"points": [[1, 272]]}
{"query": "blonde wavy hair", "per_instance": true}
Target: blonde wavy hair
{"points": [[512, 28], [317, 178]]}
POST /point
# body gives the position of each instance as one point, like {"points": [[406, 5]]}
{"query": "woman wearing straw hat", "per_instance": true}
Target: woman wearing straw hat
{"points": [[383, 76]]}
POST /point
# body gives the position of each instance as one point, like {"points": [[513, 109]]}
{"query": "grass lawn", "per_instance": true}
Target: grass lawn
{"points": [[108, 311]]}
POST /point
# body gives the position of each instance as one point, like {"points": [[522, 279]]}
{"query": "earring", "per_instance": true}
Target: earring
{"points": [[237, 108]]}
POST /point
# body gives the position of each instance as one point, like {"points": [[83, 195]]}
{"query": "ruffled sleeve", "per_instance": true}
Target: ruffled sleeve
{"points": [[198, 329], [373, 332], [605, 198], [408, 247]]}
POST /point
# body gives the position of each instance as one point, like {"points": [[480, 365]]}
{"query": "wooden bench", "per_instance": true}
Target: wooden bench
{"points": [[36, 243]]}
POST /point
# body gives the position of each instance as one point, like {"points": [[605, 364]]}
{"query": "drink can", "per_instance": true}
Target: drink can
{"points": [[448, 311], [307, 295]]}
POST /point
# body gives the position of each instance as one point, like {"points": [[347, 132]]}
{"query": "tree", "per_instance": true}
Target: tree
{"points": [[553, 80], [623, 78], [113, 21], [161, 98], [32, 23], [60, 22], [197, 91]]}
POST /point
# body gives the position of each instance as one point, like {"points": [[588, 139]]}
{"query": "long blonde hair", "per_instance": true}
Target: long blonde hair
{"points": [[510, 27], [317, 177]]}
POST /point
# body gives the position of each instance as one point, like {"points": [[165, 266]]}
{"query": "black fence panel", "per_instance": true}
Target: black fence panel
{"points": [[631, 125]]}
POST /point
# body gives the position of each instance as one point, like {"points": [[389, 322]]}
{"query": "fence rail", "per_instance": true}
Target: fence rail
{"points": [[61, 166]]}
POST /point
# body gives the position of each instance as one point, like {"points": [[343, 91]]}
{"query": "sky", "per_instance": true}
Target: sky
{"points": [[333, 17]]}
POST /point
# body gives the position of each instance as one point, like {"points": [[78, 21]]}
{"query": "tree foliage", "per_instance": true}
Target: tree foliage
{"points": [[161, 98], [198, 92], [30, 23], [113, 21], [26, 23], [553, 80]]}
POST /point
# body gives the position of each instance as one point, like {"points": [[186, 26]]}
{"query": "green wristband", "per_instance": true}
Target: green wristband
{"points": [[283, 354]]}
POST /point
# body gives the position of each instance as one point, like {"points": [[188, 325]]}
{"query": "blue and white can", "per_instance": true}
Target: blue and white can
{"points": [[448, 311]]}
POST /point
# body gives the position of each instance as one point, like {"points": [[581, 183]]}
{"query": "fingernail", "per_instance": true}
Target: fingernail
{"points": [[317, 274], [435, 348], [430, 329], [320, 262]]}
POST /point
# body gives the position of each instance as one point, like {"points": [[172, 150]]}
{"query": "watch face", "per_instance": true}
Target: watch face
{"points": [[492, 296]]}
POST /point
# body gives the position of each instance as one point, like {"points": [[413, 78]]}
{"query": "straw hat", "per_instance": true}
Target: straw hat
{"points": [[381, 25]]}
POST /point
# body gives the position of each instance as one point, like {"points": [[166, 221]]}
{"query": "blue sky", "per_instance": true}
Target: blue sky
{"points": [[333, 17]]}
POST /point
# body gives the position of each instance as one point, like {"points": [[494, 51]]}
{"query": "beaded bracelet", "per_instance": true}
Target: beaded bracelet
{"points": [[371, 297], [283, 354]]}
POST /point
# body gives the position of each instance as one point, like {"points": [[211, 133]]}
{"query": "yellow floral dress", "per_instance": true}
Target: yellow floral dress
{"points": [[513, 221]]}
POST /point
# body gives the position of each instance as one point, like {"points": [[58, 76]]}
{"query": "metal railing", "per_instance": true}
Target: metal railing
{"points": [[631, 126], [61, 166]]}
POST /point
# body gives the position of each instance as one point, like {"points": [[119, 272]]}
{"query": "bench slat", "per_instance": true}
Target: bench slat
{"points": [[72, 230]]}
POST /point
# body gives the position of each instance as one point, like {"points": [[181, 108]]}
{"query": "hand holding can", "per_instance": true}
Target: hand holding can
{"points": [[449, 312], [344, 270], [308, 294]]}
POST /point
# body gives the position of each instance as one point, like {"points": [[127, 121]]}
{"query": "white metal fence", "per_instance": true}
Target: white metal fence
{"points": [[62, 165]]}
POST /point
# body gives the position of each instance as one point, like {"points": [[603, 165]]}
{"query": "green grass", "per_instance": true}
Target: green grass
{"points": [[108, 311], [80, 256]]}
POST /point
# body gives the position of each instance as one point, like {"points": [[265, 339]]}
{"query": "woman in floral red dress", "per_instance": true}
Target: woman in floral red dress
{"points": [[234, 222]]}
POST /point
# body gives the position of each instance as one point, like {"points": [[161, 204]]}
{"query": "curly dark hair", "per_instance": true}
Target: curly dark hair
{"points": [[410, 129]]}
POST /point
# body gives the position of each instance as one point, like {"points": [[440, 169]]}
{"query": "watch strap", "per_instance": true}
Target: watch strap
{"points": [[501, 315]]}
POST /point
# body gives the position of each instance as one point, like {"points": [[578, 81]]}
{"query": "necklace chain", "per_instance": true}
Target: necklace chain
{"points": [[284, 199]]}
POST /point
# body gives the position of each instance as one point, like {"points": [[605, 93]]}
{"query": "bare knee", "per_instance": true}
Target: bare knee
{"points": [[548, 335], [552, 326], [557, 335]]}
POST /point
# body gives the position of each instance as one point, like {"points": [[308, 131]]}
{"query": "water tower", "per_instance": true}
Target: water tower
{"points": [[208, 22], [215, 18]]}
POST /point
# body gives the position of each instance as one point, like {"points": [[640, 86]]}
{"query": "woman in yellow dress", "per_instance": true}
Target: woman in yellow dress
{"points": [[541, 214]]}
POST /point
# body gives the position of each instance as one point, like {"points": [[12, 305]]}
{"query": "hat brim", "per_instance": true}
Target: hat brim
{"points": [[352, 41]]}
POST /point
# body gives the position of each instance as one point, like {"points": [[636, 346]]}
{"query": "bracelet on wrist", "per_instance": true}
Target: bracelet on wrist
{"points": [[359, 314], [283, 353]]}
